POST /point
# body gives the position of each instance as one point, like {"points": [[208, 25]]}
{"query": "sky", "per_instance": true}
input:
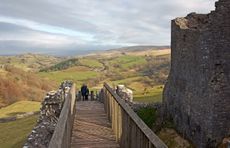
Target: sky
{"points": [[56, 26]]}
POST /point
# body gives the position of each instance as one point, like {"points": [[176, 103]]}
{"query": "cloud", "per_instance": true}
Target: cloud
{"points": [[62, 24]]}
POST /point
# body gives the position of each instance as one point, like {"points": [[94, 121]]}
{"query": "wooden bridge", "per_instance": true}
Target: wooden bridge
{"points": [[107, 122]]}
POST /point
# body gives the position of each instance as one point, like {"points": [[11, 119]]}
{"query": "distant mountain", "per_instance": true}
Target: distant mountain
{"points": [[71, 53], [56, 53], [140, 48], [79, 52]]}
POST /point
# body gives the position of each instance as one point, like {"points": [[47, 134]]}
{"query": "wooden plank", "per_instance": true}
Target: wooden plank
{"points": [[138, 138], [119, 124], [133, 134], [91, 127]]}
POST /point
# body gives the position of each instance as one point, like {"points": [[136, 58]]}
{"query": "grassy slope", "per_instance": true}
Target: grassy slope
{"points": [[62, 65], [30, 62], [153, 94], [172, 139], [78, 77], [16, 85], [128, 61], [142, 71], [19, 108], [13, 134], [130, 69], [59, 76], [90, 63], [166, 133]]}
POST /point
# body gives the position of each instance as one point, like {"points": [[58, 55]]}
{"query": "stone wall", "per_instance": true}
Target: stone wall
{"points": [[48, 118], [197, 93]]}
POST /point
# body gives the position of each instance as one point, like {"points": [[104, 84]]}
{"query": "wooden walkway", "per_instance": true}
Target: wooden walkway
{"points": [[91, 127]]}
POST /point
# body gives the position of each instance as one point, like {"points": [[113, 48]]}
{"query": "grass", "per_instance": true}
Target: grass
{"points": [[172, 139], [17, 85], [127, 80], [19, 108], [141, 91], [62, 65], [149, 95], [127, 69], [30, 62], [91, 63], [75, 76], [148, 115], [128, 61], [148, 99], [13, 134]]}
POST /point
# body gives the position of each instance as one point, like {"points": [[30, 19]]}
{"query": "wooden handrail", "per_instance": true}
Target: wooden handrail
{"points": [[129, 129], [62, 134]]}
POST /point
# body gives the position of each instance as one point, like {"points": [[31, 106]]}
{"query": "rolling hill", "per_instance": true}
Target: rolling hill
{"points": [[30, 62], [17, 85], [29, 77], [144, 70]]}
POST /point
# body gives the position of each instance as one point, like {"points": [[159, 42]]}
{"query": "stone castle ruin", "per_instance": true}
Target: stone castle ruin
{"points": [[197, 94]]}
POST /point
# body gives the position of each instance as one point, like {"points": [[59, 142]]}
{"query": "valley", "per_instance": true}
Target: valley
{"points": [[26, 78], [143, 71]]}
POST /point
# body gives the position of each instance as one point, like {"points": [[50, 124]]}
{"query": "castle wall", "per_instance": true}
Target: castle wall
{"points": [[197, 93]]}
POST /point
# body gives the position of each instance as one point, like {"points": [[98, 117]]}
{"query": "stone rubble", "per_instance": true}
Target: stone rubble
{"points": [[125, 93], [49, 114]]}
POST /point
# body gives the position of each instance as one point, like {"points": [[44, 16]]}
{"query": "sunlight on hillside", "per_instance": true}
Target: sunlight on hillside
{"points": [[17, 85], [13, 134], [20, 108], [90, 63], [143, 71], [149, 94]]}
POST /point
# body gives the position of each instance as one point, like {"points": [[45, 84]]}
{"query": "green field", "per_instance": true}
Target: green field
{"points": [[90, 63], [149, 95], [75, 76], [13, 134], [19, 108], [141, 73], [30, 62], [148, 98], [128, 61]]}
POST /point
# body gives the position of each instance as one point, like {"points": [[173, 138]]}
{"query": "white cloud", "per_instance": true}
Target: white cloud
{"points": [[68, 23]]}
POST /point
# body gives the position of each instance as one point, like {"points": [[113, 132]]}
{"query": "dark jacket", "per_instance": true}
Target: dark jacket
{"points": [[84, 90]]}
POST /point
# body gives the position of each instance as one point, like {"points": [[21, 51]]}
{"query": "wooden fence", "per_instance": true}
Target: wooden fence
{"points": [[129, 129], [62, 133]]}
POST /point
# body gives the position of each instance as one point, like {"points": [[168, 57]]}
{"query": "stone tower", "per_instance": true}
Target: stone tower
{"points": [[197, 93]]}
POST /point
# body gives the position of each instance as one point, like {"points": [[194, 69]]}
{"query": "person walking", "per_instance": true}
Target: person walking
{"points": [[84, 92]]}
